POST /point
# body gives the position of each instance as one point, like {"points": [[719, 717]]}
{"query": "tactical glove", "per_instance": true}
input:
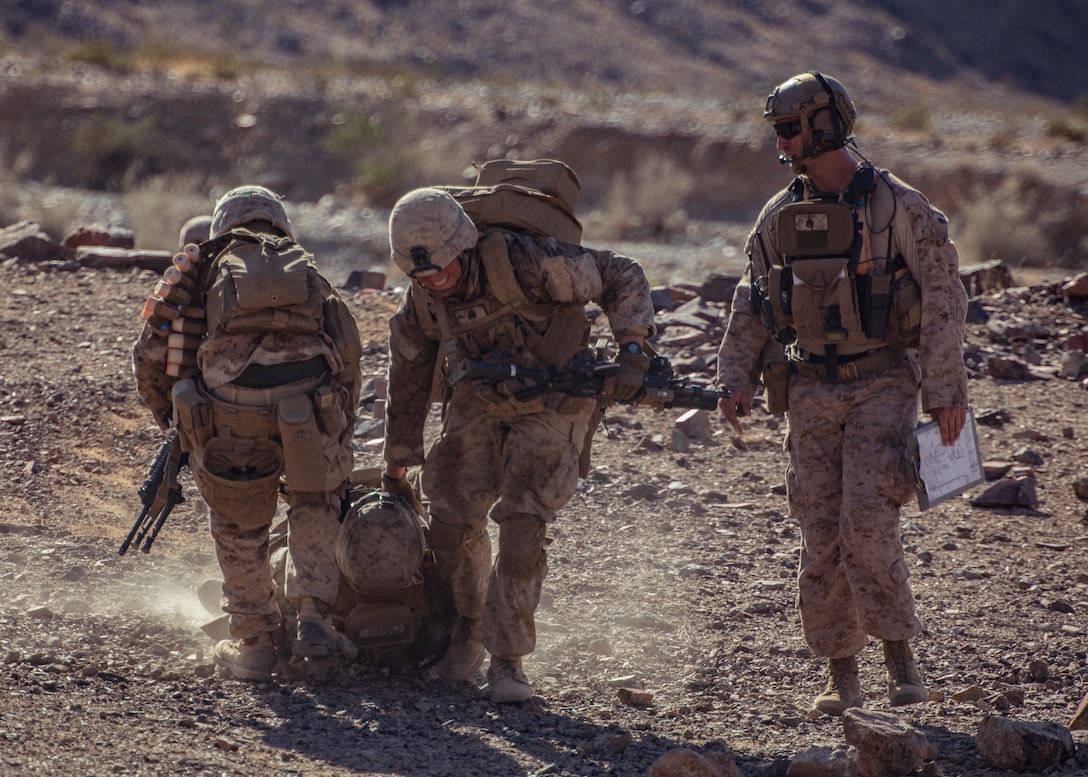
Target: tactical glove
{"points": [[627, 382], [402, 488]]}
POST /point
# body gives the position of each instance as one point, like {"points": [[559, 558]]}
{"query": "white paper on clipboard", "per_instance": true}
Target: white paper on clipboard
{"points": [[944, 472]]}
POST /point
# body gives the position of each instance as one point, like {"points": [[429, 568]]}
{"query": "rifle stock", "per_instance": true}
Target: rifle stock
{"points": [[661, 389]]}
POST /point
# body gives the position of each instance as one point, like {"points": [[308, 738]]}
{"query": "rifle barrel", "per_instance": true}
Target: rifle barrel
{"points": [[167, 508], [135, 528]]}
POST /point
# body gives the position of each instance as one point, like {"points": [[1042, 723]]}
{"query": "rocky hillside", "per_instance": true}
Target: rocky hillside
{"points": [[657, 106]]}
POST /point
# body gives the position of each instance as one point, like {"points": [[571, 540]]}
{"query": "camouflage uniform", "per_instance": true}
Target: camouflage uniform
{"points": [[407, 627], [517, 462], [241, 531], [848, 471]]}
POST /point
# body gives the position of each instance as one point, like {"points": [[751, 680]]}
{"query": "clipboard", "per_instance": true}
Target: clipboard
{"points": [[944, 472]]}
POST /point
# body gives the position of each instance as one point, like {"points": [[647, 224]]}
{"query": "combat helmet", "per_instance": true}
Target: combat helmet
{"points": [[428, 229], [806, 98], [249, 203], [195, 230], [381, 545]]}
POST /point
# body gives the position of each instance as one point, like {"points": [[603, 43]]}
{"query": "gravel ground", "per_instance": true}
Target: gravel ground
{"points": [[672, 572]]}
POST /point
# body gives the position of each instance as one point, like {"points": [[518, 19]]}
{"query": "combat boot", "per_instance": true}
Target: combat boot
{"points": [[316, 637], [463, 559], [843, 690], [904, 683], [247, 659], [463, 657], [506, 682]]}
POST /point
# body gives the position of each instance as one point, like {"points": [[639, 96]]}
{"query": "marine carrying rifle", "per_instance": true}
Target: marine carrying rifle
{"points": [[661, 388], [160, 494]]}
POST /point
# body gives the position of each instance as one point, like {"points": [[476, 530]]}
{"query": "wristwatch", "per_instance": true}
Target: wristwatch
{"points": [[631, 347]]}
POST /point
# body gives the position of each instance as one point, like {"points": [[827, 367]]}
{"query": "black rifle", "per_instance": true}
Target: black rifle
{"points": [[160, 494], [661, 388]]}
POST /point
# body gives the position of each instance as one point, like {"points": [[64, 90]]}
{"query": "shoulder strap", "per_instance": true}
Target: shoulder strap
{"points": [[500, 277], [796, 189], [431, 321]]}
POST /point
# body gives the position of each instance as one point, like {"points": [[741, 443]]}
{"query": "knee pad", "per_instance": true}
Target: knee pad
{"points": [[521, 547]]}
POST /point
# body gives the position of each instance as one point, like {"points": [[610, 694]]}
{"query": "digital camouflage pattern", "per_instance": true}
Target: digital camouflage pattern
{"points": [[920, 236], [848, 474], [241, 532], [516, 464]]}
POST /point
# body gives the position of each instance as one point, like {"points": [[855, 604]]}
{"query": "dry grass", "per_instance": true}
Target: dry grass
{"points": [[156, 208], [1020, 220], [646, 203]]}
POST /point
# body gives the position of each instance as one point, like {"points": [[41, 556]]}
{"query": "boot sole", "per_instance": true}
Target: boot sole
{"points": [[905, 697], [313, 642], [834, 708]]}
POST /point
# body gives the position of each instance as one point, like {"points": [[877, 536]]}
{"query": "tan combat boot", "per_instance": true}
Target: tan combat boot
{"points": [[247, 659], [843, 690], [904, 683], [506, 682], [316, 636], [463, 657]]}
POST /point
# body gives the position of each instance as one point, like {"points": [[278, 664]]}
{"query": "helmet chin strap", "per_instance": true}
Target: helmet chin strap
{"points": [[809, 148]]}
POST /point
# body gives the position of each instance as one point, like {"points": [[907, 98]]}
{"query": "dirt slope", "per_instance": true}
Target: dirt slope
{"points": [[671, 572]]}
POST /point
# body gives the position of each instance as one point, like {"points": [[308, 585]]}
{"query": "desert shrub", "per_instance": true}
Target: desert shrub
{"points": [[102, 53], [10, 186], [1065, 129], [646, 202], [375, 146], [1023, 219], [116, 151], [910, 118], [156, 208]]}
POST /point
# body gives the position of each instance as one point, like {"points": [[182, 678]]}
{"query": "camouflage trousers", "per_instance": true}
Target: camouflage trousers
{"points": [[519, 470], [848, 476], [238, 472], [248, 585]]}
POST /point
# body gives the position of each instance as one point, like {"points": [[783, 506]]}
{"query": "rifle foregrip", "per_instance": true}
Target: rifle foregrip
{"points": [[494, 373], [694, 397]]}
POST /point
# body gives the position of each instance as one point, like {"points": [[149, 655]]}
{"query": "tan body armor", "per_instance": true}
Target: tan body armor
{"points": [[828, 289], [501, 326]]}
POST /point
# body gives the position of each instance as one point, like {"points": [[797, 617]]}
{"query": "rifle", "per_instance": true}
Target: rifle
{"points": [[160, 494], [661, 388]]}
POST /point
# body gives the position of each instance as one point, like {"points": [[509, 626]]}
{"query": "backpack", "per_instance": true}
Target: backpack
{"points": [[536, 197], [258, 283]]}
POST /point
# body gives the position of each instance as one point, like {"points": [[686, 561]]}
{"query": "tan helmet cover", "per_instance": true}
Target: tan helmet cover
{"points": [[381, 545], [249, 203], [428, 229], [805, 96], [195, 230]]}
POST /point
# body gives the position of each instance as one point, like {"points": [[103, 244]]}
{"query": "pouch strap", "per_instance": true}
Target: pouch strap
{"points": [[874, 361]]}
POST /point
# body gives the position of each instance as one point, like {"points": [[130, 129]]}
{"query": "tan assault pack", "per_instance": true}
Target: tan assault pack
{"points": [[537, 197], [258, 283]]}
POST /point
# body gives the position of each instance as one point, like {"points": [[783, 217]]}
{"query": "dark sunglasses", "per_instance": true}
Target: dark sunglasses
{"points": [[788, 129]]}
